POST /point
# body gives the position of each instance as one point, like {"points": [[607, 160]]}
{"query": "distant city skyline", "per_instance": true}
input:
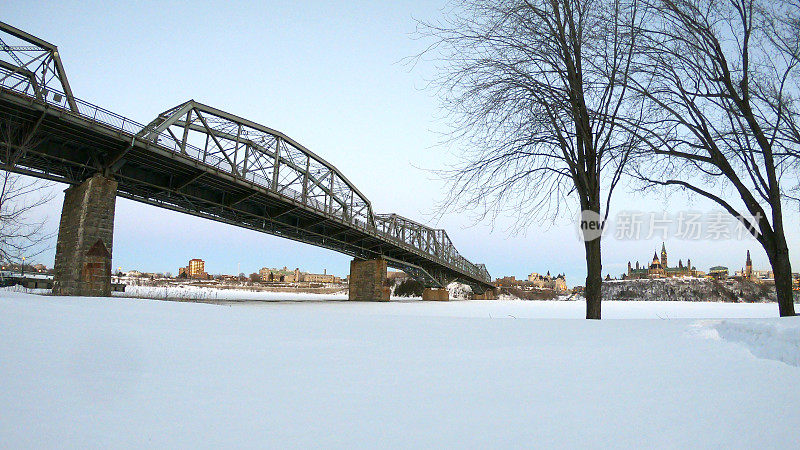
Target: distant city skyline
{"points": [[330, 75]]}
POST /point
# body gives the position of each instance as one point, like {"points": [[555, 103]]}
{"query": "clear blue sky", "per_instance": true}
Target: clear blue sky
{"points": [[329, 75]]}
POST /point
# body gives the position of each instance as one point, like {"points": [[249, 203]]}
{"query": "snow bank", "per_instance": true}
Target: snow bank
{"points": [[777, 340], [209, 294], [23, 290], [459, 291]]}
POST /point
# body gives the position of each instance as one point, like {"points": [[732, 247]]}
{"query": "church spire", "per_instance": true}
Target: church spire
{"points": [[748, 268]]}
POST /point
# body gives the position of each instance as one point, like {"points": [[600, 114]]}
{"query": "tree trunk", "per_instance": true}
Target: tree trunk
{"points": [[782, 271], [594, 278]]}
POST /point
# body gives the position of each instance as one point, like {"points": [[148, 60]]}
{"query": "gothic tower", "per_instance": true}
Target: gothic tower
{"points": [[748, 267], [664, 256]]}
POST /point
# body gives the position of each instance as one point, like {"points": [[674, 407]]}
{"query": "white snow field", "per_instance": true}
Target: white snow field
{"points": [[134, 373]]}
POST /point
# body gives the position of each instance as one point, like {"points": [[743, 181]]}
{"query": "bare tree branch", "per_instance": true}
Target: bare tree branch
{"points": [[21, 235]]}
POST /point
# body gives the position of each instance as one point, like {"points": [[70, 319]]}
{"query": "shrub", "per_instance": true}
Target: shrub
{"points": [[409, 288]]}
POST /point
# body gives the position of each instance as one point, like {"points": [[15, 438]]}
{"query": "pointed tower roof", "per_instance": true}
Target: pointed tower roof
{"points": [[663, 247], [749, 263], [655, 256]]}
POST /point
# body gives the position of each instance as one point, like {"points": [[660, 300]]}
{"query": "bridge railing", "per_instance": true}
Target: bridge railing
{"points": [[58, 99], [433, 242]]}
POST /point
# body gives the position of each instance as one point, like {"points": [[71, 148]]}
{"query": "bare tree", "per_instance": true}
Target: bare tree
{"points": [[534, 89], [21, 235], [718, 84]]}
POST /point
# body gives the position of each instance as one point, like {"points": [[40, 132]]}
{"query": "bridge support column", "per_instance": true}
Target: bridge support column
{"points": [[368, 281], [435, 295], [85, 237], [489, 294]]}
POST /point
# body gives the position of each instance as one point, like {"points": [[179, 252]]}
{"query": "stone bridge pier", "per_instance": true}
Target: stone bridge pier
{"points": [[85, 238], [368, 281], [489, 294], [436, 295]]}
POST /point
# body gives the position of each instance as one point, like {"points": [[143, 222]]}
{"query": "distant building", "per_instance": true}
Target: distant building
{"points": [[748, 273], [718, 272], [509, 281], [320, 278], [295, 276], [264, 274], [748, 267], [273, 275], [197, 268], [226, 278], [559, 282], [280, 275], [659, 268], [396, 275], [534, 281]]}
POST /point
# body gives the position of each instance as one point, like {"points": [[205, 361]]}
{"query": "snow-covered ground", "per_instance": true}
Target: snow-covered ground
{"points": [[120, 372]]}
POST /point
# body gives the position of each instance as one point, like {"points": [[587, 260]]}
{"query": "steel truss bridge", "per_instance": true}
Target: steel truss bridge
{"points": [[203, 161]]}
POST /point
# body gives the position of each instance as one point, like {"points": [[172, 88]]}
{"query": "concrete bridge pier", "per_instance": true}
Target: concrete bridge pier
{"points": [[435, 295], [85, 238], [489, 294]]}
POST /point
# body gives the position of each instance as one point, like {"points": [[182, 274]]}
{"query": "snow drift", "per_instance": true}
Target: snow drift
{"points": [[777, 340]]}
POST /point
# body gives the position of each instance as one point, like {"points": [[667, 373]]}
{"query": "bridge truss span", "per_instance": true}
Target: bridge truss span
{"points": [[260, 155], [434, 242]]}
